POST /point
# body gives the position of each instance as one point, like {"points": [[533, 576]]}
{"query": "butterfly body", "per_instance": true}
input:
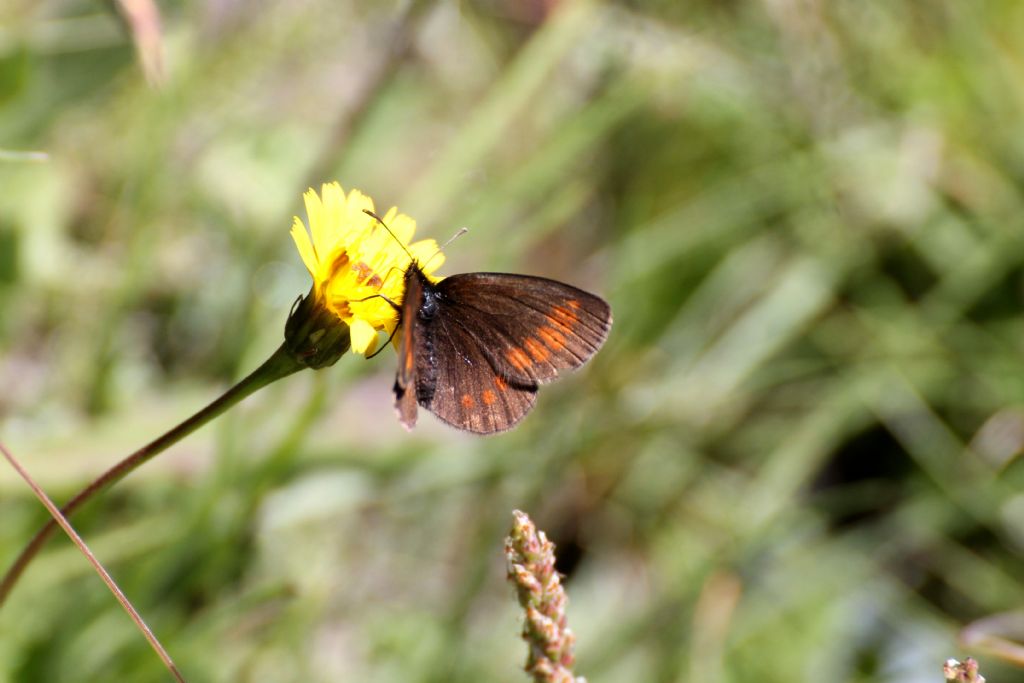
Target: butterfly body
{"points": [[474, 347]]}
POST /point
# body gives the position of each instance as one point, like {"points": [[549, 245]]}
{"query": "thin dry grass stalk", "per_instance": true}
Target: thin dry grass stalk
{"points": [[126, 604]]}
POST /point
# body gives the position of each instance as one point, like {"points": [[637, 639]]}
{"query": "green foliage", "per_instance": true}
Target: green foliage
{"points": [[807, 218]]}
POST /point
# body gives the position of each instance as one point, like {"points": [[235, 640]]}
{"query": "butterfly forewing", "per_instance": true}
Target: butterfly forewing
{"points": [[531, 328], [412, 300], [405, 378]]}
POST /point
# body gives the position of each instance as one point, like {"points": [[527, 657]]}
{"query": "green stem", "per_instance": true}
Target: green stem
{"points": [[281, 364]]}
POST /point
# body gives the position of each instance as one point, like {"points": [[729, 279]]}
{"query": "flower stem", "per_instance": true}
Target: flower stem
{"points": [[281, 364]]}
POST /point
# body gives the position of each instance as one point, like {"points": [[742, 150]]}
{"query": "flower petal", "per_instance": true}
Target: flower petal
{"points": [[402, 226], [314, 212], [305, 247], [362, 334], [428, 255]]}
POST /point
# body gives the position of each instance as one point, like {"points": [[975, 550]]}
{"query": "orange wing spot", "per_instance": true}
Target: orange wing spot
{"points": [[518, 358], [552, 338], [467, 401], [500, 383], [408, 359], [489, 397], [564, 317], [572, 303], [537, 350]]}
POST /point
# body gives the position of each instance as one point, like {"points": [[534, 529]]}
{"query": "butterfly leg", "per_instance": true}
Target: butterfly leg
{"points": [[384, 345], [397, 307]]}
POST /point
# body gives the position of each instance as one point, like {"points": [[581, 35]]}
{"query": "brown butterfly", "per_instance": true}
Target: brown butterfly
{"points": [[475, 347]]}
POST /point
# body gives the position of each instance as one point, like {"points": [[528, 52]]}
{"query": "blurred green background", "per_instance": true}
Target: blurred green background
{"points": [[794, 460]]}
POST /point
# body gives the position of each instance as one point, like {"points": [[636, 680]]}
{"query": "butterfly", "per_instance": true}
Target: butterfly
{"points": [[475, 347]]}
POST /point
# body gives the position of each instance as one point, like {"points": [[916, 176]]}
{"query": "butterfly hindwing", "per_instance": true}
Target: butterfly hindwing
{"points": [[462, 387]]}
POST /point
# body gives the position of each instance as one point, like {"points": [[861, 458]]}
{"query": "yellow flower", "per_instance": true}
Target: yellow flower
{"points": [[352, 259]]}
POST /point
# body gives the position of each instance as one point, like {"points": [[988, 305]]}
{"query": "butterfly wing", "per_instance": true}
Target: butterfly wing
{"points": [[405, 378], [536, 328], [494, 337], [441, 366], [458, 382]]}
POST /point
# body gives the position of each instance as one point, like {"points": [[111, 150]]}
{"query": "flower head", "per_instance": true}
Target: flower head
{"points": [[353, 259]]}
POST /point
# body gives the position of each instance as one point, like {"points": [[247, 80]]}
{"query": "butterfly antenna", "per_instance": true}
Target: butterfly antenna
{"points": [[460, 233], [381, 221]]}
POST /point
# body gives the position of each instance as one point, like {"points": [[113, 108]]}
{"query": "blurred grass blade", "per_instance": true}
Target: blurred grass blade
{"points": [[23, 156], [142, 18]]}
